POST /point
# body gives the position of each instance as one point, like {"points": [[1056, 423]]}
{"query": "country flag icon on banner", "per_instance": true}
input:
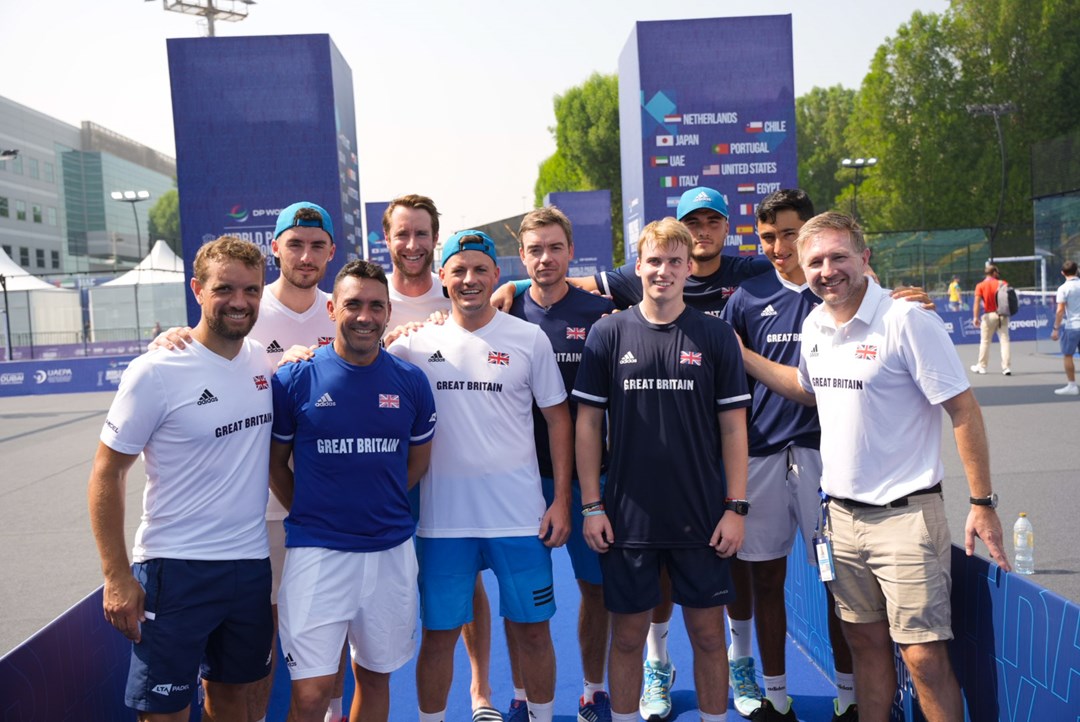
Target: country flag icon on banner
{"points": [[722, 148], [658, 160], [669, 181], [713, 169], [665, 140], [746, 188], [746, 209], [673, 118], [755, 126], [744, 230]]}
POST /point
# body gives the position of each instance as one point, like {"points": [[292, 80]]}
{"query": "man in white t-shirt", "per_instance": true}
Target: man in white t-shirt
{"points": [[196, 601], [481, 504], [411, 226], [1067, 325], [880, 372]]}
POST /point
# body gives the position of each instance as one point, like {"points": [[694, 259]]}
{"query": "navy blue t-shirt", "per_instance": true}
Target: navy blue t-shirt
{"points": [[351, 428], [663, 386], [566, 324], [705, 293], [767, 313]]}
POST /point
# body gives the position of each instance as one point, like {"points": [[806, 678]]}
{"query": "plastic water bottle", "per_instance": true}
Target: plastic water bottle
{"points": [[1024, 545]]}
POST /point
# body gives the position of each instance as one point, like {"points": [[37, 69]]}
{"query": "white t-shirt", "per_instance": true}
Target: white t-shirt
{"points": [[279, 328], [879, 379], [406, 309], [203, 423], [1069, 294], [484, 480]]}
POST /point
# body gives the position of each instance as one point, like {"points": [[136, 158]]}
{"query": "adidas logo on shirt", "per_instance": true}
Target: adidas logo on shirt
{"points": [[769, 311], [813, 351], [324, 401], [274, 347], [436, 357], [206, 398], [628, 358]]}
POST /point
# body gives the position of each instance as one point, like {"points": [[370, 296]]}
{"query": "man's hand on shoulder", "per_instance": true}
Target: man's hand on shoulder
{"points": [[296, 354], [403, 330], [172, 339], [503, 297], [914, 294]]}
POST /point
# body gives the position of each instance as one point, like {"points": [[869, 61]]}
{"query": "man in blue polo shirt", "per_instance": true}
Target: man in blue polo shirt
{"points": [[359, 423], [566, 314], [672, 381]]}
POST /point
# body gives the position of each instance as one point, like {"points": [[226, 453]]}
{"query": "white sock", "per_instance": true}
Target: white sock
{"points": [[656, 644], [333, 712], [628, 717], [591, 688], [541, 712], [740, 637], [722, 717], [433, 716], [776, 691], [845, 690], [519, 693]]}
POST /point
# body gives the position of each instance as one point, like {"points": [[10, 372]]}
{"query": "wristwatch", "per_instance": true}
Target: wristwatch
{"points": [[990, 501], [739, 506]]}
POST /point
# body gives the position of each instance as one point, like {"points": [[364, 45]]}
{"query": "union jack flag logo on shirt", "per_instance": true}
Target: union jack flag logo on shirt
{"points": [[261, 383], [389, 401], [865, 351], [498, 358], [726, 291], [575, 334], [326, 340], [692, 358]]}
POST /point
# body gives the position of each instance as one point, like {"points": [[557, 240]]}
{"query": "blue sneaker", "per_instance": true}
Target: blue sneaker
{"points": [[599, 710], [744, 686], [519, 711], [655, 702]]}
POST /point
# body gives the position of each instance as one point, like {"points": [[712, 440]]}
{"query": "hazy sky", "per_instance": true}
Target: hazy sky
{"points": [[453, 99]]}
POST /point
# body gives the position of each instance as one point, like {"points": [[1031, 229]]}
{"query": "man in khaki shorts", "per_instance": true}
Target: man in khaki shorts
{"points": [[879, 370]]}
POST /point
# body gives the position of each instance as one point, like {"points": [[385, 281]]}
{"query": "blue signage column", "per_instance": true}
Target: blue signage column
{"points": [[262, 122], [376, 249], [707, 102], [590, 214]]}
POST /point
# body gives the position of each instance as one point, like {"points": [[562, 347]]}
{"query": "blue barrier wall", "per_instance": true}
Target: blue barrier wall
{"points": [[1016, 649], [68, 376], [590, 214]]}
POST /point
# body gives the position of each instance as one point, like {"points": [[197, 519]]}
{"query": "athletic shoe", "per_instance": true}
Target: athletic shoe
{"points": [[767, 713], [655, 702], [599, 710], [520, 713], [1068, 390], [977, 369], [851, 714], [744, 686], [1006, 372]]}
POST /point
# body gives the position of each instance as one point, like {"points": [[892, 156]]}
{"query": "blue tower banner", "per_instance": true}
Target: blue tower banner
{"points": [[590, 214], [375, 248], [707, 102], [262, 122]]}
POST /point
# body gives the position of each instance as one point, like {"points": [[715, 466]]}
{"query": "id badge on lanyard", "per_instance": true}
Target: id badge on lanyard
{"points": [[823, 545]]}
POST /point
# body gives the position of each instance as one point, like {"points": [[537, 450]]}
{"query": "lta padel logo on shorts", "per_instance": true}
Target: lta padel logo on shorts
{"points": [[167, 689]]}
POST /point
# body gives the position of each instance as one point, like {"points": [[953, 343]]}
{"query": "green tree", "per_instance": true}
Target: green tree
{"points": [[164, 223], [821, 118], [587, 155]]}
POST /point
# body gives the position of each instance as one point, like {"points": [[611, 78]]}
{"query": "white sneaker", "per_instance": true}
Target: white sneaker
{"points": [[978, 369], [1006, 372], [1068, 390]]}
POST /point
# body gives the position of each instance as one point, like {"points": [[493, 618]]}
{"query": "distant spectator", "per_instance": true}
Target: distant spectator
{"points": [[955, 303], [991, 322], [1067, 325]]}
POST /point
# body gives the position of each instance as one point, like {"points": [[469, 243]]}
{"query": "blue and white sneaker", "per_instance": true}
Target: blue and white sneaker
{"points": [[744, 686], [655, 702], [598, 710]]}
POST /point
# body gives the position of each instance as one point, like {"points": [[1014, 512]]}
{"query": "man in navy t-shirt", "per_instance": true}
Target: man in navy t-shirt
{"points": [[360, 424], [672, 381], [566, 314]]}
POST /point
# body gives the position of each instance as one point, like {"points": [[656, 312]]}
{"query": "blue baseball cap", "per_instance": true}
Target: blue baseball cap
{"points": [[469, 241], [287, 219], [701, 197]]}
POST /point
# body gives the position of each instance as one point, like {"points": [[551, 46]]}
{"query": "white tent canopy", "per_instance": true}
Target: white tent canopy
{"points": [[35, 306], [152, 292], [18, 279]]}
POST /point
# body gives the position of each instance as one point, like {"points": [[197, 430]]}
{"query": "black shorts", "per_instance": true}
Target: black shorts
{"points": [[699, 578]]}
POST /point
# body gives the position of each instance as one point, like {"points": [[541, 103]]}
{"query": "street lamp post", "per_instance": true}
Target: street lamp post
{"points": [[133, 197], [995, 110], [858, 164], [7, 318]]}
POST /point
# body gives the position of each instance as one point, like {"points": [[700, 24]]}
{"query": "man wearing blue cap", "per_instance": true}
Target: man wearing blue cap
{"points": [[481, 504]]}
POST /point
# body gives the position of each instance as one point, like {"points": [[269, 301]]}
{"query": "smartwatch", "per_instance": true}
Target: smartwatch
{"points": [[739, 506]]}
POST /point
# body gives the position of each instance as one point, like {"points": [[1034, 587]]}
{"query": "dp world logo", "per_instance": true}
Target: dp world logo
{"points": [[238, 213]]}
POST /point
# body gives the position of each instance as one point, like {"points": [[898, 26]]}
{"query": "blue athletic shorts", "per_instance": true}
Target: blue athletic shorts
{"points": [[209, 619], [448, 569], [699, 578], [1069, 338], [585, 561]]}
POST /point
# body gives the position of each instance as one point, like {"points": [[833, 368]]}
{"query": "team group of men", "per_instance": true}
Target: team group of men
{"points": [[626, 436]]}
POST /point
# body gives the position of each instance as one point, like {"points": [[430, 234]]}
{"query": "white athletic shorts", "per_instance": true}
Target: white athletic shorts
{"points": [[275, 531], [783, 493], [370, 598]]}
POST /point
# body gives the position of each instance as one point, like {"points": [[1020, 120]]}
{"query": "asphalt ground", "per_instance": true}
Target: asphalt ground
{"points": [[48, 559]]}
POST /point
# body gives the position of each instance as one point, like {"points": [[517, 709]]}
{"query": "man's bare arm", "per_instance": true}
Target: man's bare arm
{"points": [[124, 596], [555, 526], [282, 481], [589, 450], [419, 461], [727, 538], [781, 378]]}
